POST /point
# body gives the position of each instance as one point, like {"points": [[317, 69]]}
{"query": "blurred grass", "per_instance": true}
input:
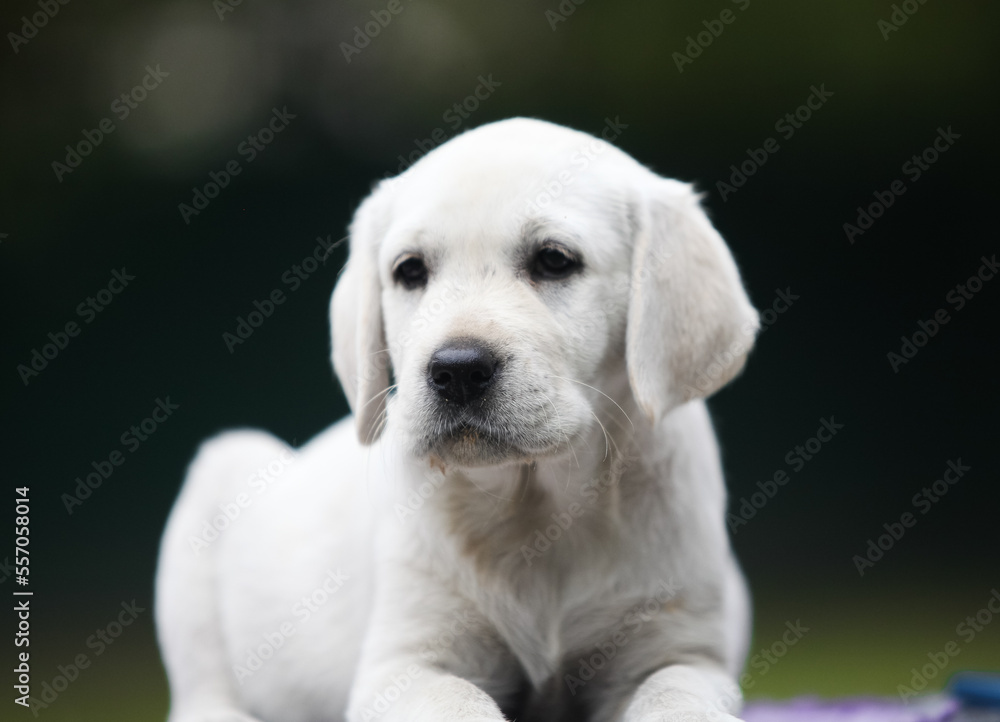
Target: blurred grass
{"points": [[865, 639]]}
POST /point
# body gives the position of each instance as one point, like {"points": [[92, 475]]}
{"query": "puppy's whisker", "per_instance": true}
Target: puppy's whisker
{"points": [[383, 417], [607, 439], [383, 421], [564, 378], [572, 448], [384, 392]]}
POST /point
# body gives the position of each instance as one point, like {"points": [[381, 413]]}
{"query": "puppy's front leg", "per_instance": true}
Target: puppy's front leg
{"points": [[430, 656], [417, 692], [685, 693]]}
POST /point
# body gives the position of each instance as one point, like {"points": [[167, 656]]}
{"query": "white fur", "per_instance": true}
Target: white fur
{"points": [[442, 601]]}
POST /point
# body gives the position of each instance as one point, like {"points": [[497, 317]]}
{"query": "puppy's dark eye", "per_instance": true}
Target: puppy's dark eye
{"points": [[552, 262], [410, 272]]}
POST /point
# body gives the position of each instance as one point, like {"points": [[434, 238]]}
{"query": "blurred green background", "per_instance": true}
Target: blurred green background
{"points": [[221, 69]]}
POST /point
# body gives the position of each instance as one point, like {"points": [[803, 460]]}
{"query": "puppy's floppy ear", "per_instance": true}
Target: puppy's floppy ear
{"points": [[360, 357], [690, 323]]}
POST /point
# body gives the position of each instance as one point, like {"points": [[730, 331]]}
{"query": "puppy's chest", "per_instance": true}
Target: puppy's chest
{"points": [[542, 571], [549, 631], [548, 608], [536, 624]]}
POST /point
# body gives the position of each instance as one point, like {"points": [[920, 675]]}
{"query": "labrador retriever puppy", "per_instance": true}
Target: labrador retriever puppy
{"points": [[524, 517]]}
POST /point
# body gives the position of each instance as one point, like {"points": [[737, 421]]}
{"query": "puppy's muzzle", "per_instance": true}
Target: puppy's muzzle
{"points": [[461, 371]]}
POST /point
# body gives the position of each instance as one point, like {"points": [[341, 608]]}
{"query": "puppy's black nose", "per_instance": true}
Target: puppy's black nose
{"points": [[461, 372]]}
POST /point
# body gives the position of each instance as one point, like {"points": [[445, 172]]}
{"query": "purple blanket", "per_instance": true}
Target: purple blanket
{"points": [[930, 709]]}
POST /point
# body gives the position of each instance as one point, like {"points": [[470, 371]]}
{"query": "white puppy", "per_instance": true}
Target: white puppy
{"points": [[532, 525]]}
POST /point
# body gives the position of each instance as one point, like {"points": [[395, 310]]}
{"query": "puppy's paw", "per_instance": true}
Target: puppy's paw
{"points": [[708, 715], [215, 715]]}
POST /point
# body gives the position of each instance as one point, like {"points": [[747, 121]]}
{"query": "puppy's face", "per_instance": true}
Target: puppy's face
{"points": [[498, 280], [498, 316]]}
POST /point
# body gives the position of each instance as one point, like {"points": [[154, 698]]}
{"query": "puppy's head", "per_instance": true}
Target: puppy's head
{"points": [[512, 272]]}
